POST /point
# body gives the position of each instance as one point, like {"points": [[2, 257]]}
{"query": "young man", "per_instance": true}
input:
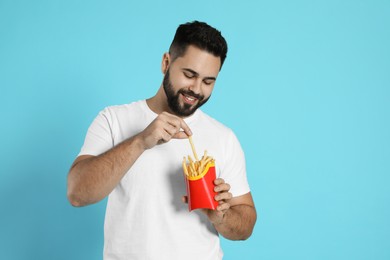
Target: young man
{"points": [[133, 153]]}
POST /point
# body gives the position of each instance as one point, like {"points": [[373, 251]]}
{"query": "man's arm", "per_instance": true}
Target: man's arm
{"points": [[235, 217], [92, 178]]}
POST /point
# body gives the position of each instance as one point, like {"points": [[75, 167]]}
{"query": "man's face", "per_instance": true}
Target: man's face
{"points": [[189, 81]]}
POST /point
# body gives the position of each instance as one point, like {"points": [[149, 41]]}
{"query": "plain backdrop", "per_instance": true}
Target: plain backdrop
{"points": [[305, 87]]}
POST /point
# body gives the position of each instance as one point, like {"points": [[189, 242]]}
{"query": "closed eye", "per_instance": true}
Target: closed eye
{"points": [[188, 75], [208, 82]]}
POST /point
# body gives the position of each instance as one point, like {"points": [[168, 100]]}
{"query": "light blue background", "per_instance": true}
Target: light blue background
{"points": [[305, 87]]}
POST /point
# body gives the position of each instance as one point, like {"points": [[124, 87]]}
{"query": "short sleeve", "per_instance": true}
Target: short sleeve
{"points": [[234, 168], [99, 136]]}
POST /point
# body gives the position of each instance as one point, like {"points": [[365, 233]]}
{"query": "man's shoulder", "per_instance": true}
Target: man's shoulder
{"points": [[120, 114]]}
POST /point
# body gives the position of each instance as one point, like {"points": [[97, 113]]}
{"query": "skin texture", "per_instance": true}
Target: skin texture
{"points": [[92, 178]]}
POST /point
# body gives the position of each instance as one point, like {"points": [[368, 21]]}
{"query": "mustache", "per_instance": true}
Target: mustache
{"points": [[191, 93]]}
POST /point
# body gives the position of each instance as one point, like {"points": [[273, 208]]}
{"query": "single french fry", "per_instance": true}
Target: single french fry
{"points": [[208, 159], [185, 166], [190, 159], [201, 164], [193, 148], [192, 165]]}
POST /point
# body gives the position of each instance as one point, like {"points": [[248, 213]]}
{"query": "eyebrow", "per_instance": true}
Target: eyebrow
{"points": [[197, 74]]}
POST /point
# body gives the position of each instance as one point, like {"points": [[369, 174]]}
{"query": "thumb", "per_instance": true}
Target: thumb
{"points": [[180, 135]]}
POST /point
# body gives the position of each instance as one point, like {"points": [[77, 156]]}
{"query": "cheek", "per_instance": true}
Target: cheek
{"points": [[182, 83], [207, 91]]}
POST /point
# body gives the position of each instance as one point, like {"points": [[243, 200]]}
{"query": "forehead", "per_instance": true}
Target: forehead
{"points": [[201, 61]]}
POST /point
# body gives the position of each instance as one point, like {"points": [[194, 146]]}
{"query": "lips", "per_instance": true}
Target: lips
{"points": [[189, 99]]}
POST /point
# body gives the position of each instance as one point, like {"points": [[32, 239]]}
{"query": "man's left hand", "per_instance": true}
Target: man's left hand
{"points": [[223, 197]]}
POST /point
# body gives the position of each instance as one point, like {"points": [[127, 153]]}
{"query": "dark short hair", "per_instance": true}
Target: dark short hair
{"points": [[201, 35]]}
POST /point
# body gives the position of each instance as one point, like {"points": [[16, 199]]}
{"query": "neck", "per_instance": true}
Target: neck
{"points": [[158, 103]]}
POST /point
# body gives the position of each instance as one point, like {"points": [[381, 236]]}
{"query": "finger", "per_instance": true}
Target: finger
{"points": [[224, 196], [184, 199], [223, 207], [172, 119], [185, 127], [169, 119], [177, 122], [219, 181], [174, 128], [181, 124], [165, 137], [222, 187], [180, 135], [171, 129]]}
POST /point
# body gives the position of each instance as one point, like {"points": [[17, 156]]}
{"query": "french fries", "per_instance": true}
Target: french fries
{"points": [[195, 168]]}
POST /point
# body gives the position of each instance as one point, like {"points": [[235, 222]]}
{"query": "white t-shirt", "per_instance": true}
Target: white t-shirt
{"points": [[145, 217]]}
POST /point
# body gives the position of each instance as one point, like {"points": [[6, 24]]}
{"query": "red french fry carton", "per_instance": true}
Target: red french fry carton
{"points": [[200, 189]]}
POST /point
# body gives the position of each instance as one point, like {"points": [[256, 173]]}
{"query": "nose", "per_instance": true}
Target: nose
{"points": [[196, 86]]}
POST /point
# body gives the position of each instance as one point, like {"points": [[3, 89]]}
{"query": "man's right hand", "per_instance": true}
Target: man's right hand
{"points": [[162, 129], [92, 178]]}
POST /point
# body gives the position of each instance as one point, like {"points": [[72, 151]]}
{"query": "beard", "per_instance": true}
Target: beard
{"points": [[173, 98]]}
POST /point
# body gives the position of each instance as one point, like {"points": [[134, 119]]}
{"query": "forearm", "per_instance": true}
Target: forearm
{"points": [[92, 179], [238, 222]]}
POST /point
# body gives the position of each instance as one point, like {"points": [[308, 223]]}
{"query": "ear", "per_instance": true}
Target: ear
{"points": [[166, 60]]}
